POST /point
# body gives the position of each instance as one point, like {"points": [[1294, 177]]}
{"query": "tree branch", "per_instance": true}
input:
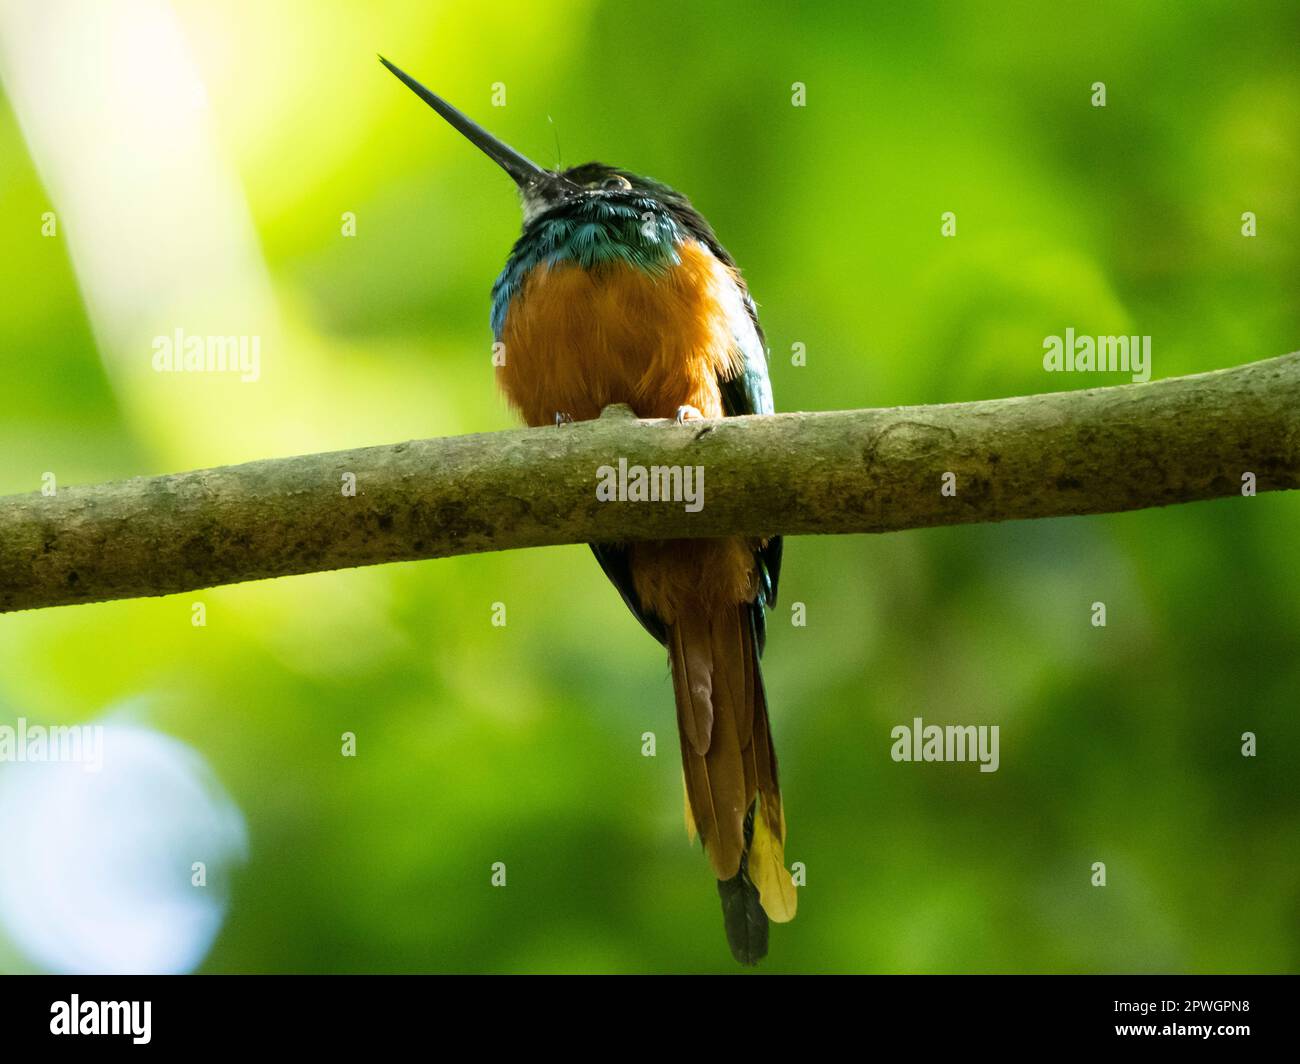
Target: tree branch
{"points": [[1083, 452]]}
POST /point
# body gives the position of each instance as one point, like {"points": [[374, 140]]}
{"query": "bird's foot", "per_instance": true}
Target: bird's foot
{"points": [[688, 413], [561, 418]]}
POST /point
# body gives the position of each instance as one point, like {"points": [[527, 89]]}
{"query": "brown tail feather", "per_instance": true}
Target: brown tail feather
{"points": [[711, 755], [729, 769]]}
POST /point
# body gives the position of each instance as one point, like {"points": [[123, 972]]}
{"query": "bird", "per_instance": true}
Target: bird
{"points": [[618, 291]]}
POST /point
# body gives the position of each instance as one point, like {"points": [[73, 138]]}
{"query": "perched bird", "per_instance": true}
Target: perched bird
{"points": [[618, 291]]}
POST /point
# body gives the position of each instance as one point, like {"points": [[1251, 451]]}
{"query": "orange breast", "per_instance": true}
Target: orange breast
{"points": [[577, 340]]}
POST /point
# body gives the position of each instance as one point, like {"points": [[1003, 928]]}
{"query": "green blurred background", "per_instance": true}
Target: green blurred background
{"points": [[199, 159]]}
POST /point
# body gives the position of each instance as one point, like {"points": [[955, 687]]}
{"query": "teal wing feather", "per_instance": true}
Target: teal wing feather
{"points": [[750, 392]]}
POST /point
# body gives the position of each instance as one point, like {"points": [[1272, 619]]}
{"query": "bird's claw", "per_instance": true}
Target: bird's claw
{"points": [[561, 418], [688, 413]]}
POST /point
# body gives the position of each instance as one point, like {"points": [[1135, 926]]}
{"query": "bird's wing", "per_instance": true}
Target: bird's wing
{"points": [[613, 559], [750, 392]]}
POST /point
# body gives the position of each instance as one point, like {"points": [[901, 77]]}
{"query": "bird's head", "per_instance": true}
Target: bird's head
{"points": [[542, 190]]}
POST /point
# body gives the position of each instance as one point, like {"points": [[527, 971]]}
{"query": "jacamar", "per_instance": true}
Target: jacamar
{"points": [[618, 291]]}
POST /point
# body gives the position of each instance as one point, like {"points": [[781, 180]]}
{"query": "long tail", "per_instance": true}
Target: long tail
{"points": [[733, 798]]}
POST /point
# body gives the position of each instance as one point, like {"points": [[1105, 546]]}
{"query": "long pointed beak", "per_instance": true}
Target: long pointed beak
{"points": [[525, 172]]}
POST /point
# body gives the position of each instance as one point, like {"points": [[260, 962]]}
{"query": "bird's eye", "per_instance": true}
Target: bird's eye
{"points": [[616, 181]]}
